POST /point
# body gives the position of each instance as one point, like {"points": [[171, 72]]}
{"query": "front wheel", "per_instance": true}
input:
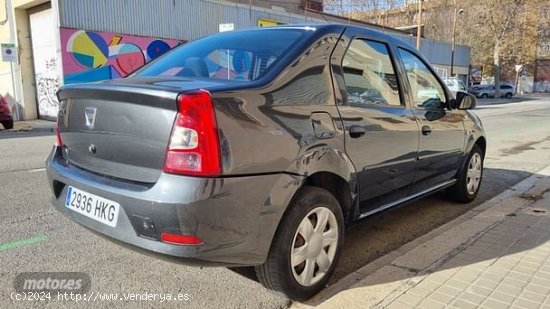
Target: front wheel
{"points": [[306, 246], [484, 96], [468, 182]]}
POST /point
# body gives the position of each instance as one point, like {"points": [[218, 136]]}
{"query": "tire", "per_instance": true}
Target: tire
{"points": [[484, 96], [8, 124], [468, 182], [508, 95], [277, 273]]}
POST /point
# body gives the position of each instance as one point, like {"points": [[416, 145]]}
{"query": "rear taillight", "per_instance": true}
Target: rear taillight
{"points": [[193, 148], [58, 141]]}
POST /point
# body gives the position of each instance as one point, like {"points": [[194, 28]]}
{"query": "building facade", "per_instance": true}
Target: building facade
{"points": [[72, 41]]}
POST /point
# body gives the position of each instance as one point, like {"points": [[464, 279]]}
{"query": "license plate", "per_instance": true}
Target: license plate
{"points": [[92, 206]]}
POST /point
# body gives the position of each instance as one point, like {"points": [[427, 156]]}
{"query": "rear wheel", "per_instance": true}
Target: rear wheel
{"points": [[484, 96], [508, 95], [306, 247], [8, 124], [469, 180]]}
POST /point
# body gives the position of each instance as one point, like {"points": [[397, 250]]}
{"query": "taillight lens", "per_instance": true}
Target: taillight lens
{"points": [[58, 141], [193, 148]]}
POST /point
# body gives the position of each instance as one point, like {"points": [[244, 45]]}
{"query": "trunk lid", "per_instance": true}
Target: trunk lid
{"points": [[121, 129]]}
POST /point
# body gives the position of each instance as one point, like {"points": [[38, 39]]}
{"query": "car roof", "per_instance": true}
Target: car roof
{"points": [[336, 28]]}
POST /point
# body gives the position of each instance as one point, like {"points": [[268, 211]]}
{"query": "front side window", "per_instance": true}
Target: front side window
{"points": [[369, 74], [426, 90]]}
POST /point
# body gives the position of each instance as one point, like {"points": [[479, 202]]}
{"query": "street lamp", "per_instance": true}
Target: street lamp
{"points": [[456, 13]]}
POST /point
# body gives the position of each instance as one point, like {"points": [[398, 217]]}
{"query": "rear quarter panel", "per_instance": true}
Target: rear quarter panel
{"points": [[268, 129]]}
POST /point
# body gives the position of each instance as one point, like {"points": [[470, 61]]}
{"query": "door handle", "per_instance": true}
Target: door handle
{"points": [[356, 131], [426, 130]]}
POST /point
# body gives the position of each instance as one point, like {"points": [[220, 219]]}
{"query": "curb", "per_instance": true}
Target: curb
{"points": [[413, 262]]}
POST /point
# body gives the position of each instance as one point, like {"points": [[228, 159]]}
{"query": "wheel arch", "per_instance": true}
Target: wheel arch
{"points": [[337, 186]]}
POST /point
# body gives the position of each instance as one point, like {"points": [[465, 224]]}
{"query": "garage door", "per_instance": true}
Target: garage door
{"points": [[45, 60]]}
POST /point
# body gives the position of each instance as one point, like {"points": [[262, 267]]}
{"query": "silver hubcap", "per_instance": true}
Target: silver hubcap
{"points": [[314, 246], [473, 178]]}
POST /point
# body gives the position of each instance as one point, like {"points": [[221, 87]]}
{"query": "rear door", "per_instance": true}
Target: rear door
{"points": [[442, 129], [381, 131]]}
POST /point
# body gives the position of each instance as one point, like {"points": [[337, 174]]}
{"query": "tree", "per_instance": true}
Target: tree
{"points": [[501, 33]]}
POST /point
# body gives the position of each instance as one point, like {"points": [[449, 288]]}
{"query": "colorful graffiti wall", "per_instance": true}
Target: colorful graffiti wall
{"points": [[90, 56]]}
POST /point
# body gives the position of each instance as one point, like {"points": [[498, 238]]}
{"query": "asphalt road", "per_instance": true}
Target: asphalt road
{"points": [[518, 143]]}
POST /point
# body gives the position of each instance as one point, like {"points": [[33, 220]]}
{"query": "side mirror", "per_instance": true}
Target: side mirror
{"points": [[465, 101]]}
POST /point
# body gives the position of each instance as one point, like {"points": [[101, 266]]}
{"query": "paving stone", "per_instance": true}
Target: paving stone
{"points": [[461, 304], [541, 282], [522, 303], [503, 297], [399, 305], [532, 297], [454, 283], [537, 289], [487, 283], [494, 304], [512, 282], [419, 291], [440, 297], [519, 277], [472, 298], [410, 299], [508, 289], [479, 290], [464, 277], [431, 304], [454, 292]]}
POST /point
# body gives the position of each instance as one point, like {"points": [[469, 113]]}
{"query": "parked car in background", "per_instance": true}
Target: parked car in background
{"points": [[257, 147], [473, 88], [6, 118], [506, 91]]}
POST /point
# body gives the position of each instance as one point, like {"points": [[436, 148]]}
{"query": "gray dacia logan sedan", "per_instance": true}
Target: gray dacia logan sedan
{"points": [[258, 147]]}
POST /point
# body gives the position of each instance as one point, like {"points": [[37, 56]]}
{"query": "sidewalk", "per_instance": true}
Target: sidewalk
{"points": [[33, 125], [495, 256]]}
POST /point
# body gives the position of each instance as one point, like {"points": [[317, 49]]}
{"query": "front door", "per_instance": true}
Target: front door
{"points": [[381, 132], [442, 135]]}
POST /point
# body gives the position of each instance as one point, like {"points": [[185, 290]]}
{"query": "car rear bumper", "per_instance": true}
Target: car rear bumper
{"points": [[5, 117], [236, 217]]}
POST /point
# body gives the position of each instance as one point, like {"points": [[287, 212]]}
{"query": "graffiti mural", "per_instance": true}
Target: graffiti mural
{"points": [[90, 56], [46, 89]]}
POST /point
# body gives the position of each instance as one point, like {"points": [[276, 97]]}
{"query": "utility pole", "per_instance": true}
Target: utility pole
{"points": [[456, 13], [419, 24]]}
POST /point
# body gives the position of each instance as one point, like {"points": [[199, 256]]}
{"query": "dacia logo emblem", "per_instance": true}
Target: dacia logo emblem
{"points": [[90, 113]]}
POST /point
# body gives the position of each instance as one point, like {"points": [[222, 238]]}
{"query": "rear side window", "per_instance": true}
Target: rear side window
{"points": [[239, 56], [427, 91], [369, 74]]}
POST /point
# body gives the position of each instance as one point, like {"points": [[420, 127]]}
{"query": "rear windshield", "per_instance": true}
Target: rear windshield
{"points": [[240, 56]]}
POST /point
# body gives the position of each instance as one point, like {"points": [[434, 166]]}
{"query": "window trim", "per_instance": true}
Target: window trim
{"points": [[391, 55], [437, 78]]}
